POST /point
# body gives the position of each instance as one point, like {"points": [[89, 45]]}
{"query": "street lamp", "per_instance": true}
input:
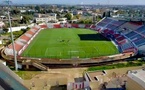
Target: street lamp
{"points": [[12, 37]]}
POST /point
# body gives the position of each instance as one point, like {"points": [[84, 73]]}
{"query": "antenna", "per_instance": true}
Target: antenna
{"points": [[8, 2]]}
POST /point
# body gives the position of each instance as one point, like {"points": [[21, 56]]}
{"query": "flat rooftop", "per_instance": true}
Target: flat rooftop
{"points": [[92, 75], [138, 76]]}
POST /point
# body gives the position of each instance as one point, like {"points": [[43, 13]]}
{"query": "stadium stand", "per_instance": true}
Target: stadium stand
{"points": [[116, 35], [102, 24], [130, 34], [49, 25], [120, 38], [56, 26], [121, 32], [82, 26], [22, 41], [43, 26], [92, 26], [87, 26], [32, 30], [107, 20], [114, 24], [28, 35], [24, 37], [75, 25], [141, 29], [131, 26], [128, 27], [140, 42]]}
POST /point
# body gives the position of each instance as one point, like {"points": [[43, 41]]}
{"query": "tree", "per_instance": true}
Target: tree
{"points": [[31, 7], [25, 19], [98, 18], [15, 24], [85, 21], [104, 14], [38, 8], [108, 14], [78, 16], [68, 16], [5, 29], [15, 11]]}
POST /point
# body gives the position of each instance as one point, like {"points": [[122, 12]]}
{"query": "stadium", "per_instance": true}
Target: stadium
{"points": [[66, 45]]}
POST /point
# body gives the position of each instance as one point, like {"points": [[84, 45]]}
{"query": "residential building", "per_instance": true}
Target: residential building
{"points": [[76, 12], [136, 80], [45, 17]]}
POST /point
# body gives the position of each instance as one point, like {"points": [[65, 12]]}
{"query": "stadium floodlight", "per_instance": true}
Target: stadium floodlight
{"points": [[8, 2]]}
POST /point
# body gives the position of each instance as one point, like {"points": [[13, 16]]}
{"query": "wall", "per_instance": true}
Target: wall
{"points": [[132, 85], [17, 28]]}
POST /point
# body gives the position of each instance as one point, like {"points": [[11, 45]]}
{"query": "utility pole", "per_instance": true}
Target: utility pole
{"points": [[12, 36]]}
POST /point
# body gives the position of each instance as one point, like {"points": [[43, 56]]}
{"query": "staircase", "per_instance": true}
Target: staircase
{"points": [[40, 66]]}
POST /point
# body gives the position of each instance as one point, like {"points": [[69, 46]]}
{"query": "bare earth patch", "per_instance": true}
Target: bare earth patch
{"points": [[55, 77]]}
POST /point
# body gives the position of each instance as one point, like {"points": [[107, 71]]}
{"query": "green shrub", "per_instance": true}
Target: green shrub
{"points": [[113, 66]]}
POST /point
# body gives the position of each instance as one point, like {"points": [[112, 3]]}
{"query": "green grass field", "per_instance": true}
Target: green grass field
{"points": [[69, 43]]}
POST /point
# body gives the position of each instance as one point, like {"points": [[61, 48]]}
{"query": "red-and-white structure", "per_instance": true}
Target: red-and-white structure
{"points": [[77, 85]]}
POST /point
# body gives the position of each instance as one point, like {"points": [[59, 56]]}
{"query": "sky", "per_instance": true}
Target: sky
{"points": [[118, 2]]}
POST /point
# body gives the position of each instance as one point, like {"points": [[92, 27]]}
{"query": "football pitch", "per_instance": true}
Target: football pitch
{"points": [[65, 43]]}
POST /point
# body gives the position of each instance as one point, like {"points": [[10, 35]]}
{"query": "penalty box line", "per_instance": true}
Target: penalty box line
{"points": [[60, 53]]}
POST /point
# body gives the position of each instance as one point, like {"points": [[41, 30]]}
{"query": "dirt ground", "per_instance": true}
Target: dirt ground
{"points": [[53, 78]]}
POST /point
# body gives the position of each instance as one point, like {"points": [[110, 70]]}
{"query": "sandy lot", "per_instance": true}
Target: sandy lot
{"points": [[55, 77]]}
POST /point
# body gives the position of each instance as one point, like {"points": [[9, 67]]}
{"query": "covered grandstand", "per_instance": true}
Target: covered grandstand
{"points": [[124, 34]]}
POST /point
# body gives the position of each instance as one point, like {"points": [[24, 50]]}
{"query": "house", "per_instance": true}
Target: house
{"points": [[136, 80], [76, 12], [22, 11], [45, 17], [62, 20], [3, 17]]}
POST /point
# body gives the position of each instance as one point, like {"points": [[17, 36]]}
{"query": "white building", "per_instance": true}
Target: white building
{"points": [[136, 80], [22, 11], [17, 28], [3, 17], [45, 17], [75, 12]]}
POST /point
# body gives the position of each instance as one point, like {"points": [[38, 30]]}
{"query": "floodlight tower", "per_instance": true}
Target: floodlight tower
{"points": [[8, 2]]}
